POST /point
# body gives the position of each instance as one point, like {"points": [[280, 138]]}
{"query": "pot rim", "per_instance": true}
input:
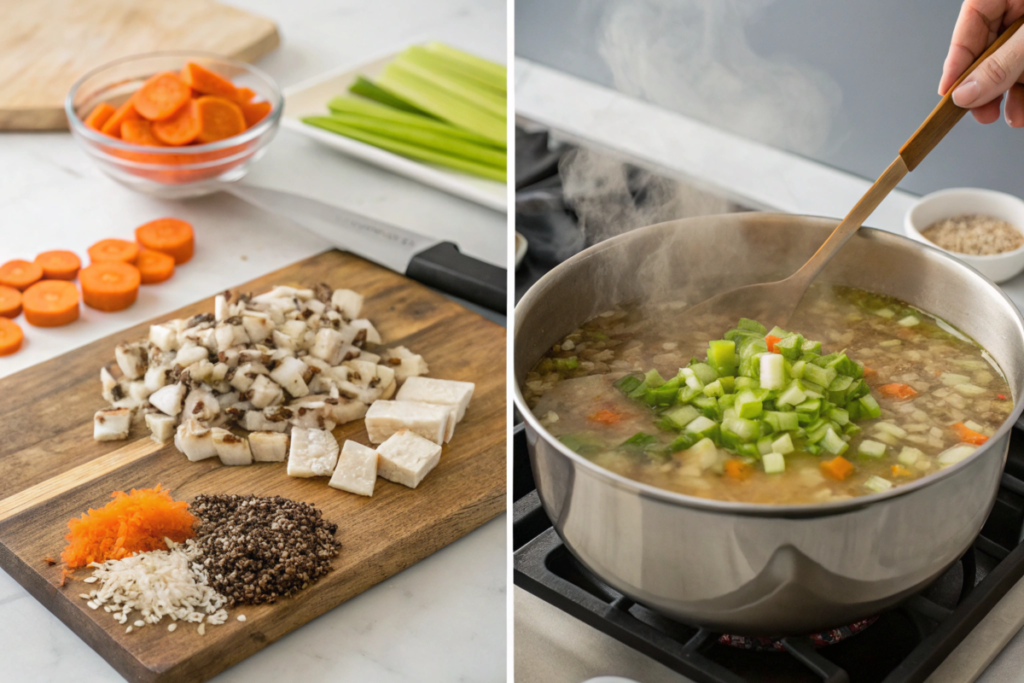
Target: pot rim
{"points": [[755, 509]]}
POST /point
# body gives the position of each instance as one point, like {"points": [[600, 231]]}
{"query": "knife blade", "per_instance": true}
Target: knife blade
{"points": [[435, 263]]}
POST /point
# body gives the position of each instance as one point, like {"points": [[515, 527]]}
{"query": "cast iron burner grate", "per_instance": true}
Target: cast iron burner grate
{"points": [[903, 645]]}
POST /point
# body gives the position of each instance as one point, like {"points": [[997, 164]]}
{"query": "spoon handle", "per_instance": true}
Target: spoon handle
{"points": [[946, 113]]}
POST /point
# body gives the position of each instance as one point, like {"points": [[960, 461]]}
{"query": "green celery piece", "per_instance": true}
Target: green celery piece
{"points": [[870, 406], [764, 445], [789, 346], [483, 68], [653, 378], [714, 389], [778, 332], [454, 69], [581, 443], [796, 371], [705, 373], [722, 356], [708, 406], [858, 389], [748, 405], [833, 443], [726, 401], [407, 150], [370, 90], [687, 394], [570, 363], [429, 139], [484, 98], [839, 416], [745, 430], [442, 104], [822, 376], [681, 416], [639, 440], [627, 383], [812, 347], [810, 406], [728, 383], [685, 441], [752, 326], [357, 107]]}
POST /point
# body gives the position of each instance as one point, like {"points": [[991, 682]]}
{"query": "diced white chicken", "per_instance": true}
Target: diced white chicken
{"points": [[311, 415], [132, 359], [316, 306], [328, 345], [194, 440], [365, 331], [156, 378], [440, 391], [363, 394], [343, 410], [164, 336], [228, 399], [169, 399], [189, 354], [138, 391], [111, 424], [258, 326], [231, 449], [257, 421], [405, 363], [406, 458], [361, 372], [369, 357], [294, 329], [349, 303], [313, 453], [226, 336], [201, 371], [160, 426], [265, 392], [356, 471], [111, 391], [246, 374], [289, 375], [284, 343], [285, 292], [268, 446], [255, 355], [220, 371], [220, 307], [201, 405], [389, 391], [385, 418]]}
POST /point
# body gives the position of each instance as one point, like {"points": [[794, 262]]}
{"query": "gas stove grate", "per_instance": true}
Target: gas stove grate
{"points": [[904, 645]]}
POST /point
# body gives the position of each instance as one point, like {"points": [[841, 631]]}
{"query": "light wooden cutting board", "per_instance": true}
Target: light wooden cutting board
{"points": [[46, 45], [52, 470]]}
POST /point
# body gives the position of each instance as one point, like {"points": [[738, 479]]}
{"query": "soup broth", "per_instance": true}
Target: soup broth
{"points": [[937, 396]]}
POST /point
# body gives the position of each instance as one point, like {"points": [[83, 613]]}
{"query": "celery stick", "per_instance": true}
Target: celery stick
{"points": [[425, 138], [483, 97], [411, 151], [497, 73], [456, 111], [453, 69], [352, 106], [371, 90]]}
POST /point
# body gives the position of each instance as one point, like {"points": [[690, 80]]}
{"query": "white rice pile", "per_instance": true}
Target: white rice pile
{"points": [[158, 584]]}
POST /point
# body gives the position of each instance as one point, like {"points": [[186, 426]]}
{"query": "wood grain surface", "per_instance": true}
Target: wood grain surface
{"points": [[51, 470], [46, 45]]}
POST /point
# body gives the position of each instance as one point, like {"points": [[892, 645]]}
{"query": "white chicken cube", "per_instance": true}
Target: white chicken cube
{"points": [[265, 393], [132, 359], [232, 450], [194, 440], [357, 469], [349, 303], [111, 424], [160, 426], [440, 391], [343, 410], [190, 354], [365, 331], [268, 446], [156, 378], [406, 458], [258, 326], [327, 346], [313, 453], [164, 337], [405, 363], [168, 400], [289, 375], [201, 405], [385, 418], [257, 421], [138, 391]]}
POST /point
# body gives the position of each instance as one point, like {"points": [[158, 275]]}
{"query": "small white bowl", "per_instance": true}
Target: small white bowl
{"points": [[949, 203]]}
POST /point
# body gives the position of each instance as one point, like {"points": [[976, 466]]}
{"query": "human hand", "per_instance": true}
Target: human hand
{"points": [[979, 24]]}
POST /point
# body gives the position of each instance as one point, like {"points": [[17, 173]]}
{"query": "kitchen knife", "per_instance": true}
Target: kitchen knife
{"points": [[430, 261]]}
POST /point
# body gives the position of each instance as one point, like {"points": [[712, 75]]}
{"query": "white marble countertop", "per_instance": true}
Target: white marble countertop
{"points": [[442, 619]]}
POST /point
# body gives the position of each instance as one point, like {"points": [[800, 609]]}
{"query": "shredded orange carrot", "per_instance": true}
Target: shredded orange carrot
{"points": [[605, 417], [133, 522]]}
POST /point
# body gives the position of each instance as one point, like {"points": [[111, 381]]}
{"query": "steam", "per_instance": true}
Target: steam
{"points": [[693, 57]]}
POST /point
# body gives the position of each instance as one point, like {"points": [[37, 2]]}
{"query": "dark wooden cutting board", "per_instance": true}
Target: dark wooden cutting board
{"points": [[52, 470]]}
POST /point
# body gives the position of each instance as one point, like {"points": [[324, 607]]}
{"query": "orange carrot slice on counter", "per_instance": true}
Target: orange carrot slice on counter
{"points": [[10, 302], [900, 391], [59, 264], [100, 114], [10, 337], [110, 285], [51, 303], [254, 112], [169, 236], [968, 435], [114, 250], [161, 96], [20, 274], [181, 128], [126, 112], [839, 468], [207, 82], [140, 132], [154, 267], [219, 118]]}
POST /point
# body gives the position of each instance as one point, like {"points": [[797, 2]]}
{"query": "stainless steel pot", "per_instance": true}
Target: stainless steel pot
{"points": [[756, 569]]}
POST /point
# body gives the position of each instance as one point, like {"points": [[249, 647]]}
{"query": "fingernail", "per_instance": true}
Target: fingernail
{"points": [[1006, 115], [966, 93]]}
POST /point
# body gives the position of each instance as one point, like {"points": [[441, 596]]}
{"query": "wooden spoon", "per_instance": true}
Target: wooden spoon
{"points": [[773, 303]]}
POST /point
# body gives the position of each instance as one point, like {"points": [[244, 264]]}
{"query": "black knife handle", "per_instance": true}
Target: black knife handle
{"points": [[444, 267]]}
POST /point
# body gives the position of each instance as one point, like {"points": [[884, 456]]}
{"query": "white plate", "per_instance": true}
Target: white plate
{"points": [[309, 98]]}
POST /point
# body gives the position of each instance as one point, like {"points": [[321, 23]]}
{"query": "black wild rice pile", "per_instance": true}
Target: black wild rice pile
{"points": [[257, 550]]}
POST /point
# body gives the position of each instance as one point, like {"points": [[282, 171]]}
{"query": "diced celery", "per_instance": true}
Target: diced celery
{"points": [[833, 443], [584, 444], [844, 365], [566, 364], [877, 484], [783, 444], [741, 383], [778, 332], [822, 376], [813, 448], [790, 347], [797, 370], [708, 406], [890, 428], [701, 425], [705, 452], [791, 396], [953, 455], [839, 416], [816, 434], [909, 321], [884, 312], [870, 406], [691, 379], [628, 383], [714, 389], [639, 441], [681, 416], [774, 463], [722, 356], [745, 430], [653, 379], [764, 445], [752, 326], [909, 456], [747, 404], [783, 422], [851, 430], [687, 394], [858, 389], [727, 400], [749, 450], [705, 373], [728, 383], [872, 449], [773, 372], [812, 347], [685, 441]]}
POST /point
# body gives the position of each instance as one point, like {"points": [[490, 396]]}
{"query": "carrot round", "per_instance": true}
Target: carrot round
{"points": [[51, 303], [10, 302], [20, 274], [126, 112], [10, 337], [140, 132], [169, 236], [59, 264], [207, 82], [154, 267], [109, 285], [114, 250], [181, 128], [218, 119], [161, 96], [244, 94], [99, 115], [254, 112]]}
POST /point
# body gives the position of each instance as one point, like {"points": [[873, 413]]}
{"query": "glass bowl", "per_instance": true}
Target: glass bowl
{"points": [[170, 172]]}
